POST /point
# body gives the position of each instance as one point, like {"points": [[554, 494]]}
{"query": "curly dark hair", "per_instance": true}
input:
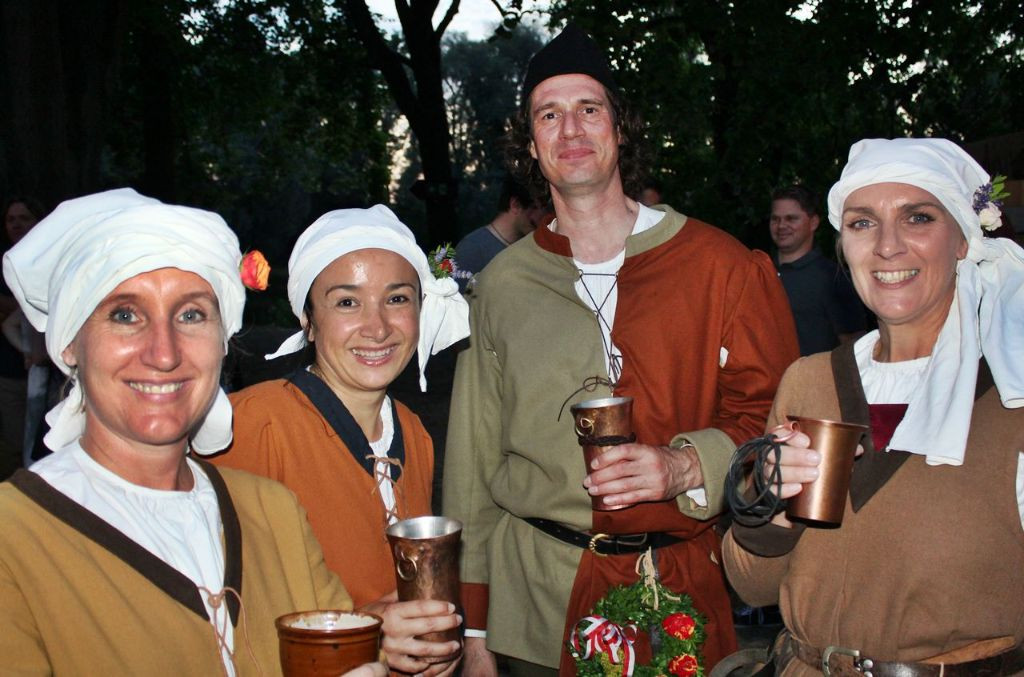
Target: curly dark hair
{"points": [[633, 151]]}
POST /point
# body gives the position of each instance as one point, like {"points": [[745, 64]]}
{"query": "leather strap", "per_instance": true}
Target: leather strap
{"points": [[604, 544], [609, 441], [846, 662]]}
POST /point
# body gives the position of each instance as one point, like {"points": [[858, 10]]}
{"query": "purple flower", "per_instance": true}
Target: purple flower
{"points": [[982, 197]]}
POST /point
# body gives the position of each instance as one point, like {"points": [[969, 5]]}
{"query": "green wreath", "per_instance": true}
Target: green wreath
{"points": [[670, 621]]}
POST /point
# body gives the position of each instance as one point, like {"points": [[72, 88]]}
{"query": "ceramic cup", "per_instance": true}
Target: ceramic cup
{"points": [[326, 642]]}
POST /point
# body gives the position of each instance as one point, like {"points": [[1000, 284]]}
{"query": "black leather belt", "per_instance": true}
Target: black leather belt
{"points": [[604, 544], [840, 661]]}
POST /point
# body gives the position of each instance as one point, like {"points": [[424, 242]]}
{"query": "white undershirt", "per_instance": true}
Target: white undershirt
{"points": [[600, 278], [898, 382], [602, 291], [182, 528], [380, 449], [887, 382]]}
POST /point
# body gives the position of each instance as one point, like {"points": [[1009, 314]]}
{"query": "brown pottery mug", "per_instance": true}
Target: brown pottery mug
{"points": [[327, 643]]}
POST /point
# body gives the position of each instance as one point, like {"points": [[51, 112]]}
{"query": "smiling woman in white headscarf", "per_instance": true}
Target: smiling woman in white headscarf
{"points": [[927, 567], [367, 300], [118, 554]]}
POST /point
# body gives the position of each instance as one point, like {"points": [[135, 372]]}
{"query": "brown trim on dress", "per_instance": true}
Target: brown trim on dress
{"points": [[172, 582], [767, 540], [874, 468], [232, 537]]}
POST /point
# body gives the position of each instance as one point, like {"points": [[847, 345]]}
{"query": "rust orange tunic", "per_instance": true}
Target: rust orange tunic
{"points": [[705, 332], [281, 434]]}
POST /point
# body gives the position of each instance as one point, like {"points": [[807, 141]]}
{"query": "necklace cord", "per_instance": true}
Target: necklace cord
{"points": [[590, 384], [604, 326]]}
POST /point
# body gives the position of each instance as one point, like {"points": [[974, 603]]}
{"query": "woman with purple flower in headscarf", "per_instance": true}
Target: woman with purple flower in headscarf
{"points": [[924, 575]]}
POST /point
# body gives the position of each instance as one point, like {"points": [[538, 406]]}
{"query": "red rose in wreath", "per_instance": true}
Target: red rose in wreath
{"points": [[683, 666], [680, 626], [446, 265]]}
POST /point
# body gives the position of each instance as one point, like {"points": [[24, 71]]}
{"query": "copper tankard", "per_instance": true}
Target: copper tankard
{"points": [[601, 424], [824, 499], [426, 553]]}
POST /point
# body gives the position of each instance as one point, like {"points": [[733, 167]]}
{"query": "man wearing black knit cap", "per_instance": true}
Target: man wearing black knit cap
{"points": [[613, 298]]}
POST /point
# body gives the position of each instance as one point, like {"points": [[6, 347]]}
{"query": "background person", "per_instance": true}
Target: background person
{"points": [[20, 214], [932, 539], [611, 298], [651, 194], [825, 306], [42, 388], [119, 555], [357, 459], [518, 215]]}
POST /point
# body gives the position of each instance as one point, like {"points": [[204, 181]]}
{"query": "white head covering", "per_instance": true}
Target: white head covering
{"points": [[68, 263], [987, 314], [444, 315]]}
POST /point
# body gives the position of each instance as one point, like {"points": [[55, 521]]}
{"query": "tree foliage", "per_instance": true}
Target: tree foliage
{"points": [[411, 67], [260, 110], [482, 80], [274, 111], [279, 115], [743, 97]]}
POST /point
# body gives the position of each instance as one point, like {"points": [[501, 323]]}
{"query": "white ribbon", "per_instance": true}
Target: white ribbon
{"points": [[602, 636]]}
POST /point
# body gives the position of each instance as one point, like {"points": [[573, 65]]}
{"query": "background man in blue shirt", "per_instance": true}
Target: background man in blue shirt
{"points": [[825, 306]]}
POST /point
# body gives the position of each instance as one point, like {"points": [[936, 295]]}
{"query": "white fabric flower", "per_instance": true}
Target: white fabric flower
{"points": [[991, 218]]}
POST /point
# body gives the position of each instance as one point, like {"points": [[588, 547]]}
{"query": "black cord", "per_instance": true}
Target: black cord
{"points": [[764, 503]]}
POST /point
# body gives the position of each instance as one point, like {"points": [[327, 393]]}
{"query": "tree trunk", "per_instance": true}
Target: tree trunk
{"points": [[423, 105]]}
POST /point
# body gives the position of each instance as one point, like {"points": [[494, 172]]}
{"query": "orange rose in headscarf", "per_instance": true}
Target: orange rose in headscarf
{"points": [[255, 270]]}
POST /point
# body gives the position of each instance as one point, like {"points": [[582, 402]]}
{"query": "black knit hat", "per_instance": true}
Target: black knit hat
{"points": [[572, 51]]}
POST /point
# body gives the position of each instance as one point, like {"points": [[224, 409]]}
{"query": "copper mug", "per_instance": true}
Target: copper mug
{"points": [[327, 643], [426, 554], [601, 424], [824, 499]]}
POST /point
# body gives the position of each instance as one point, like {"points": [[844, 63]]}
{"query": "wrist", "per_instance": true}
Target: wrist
{"points": [[687, 467]]}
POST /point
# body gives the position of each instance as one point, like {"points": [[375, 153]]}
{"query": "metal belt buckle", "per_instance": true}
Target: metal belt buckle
{"points": [[826, 655], [594, 540]]}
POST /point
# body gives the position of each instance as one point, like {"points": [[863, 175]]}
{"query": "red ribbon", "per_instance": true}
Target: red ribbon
{"points": [[601, 636]]}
